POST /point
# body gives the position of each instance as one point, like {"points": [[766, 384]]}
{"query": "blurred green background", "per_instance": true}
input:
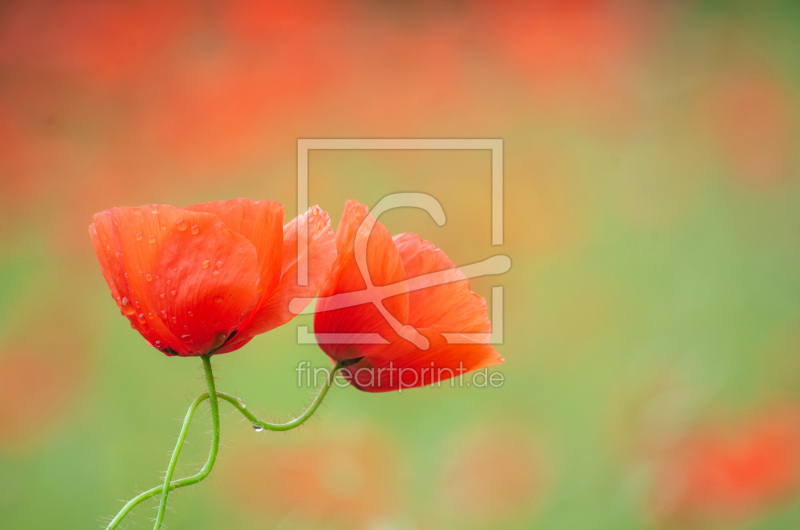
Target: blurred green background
{"points": [[652, 214]]}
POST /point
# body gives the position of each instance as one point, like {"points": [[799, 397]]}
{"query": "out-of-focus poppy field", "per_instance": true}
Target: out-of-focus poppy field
{"points": [[651, 317]]}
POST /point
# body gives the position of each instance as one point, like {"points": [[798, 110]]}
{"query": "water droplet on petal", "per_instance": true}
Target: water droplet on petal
{"points": [[151, 238], [138, 236], [181, 224], [185, 336], [215, 274], [162, 295], [218, 299], [190, 313], [174, 320], [219, 264], [173, 293], [169, 282], [206, 263], [108, 248], [127, 308], [195, 229], [149, 277], [257, 428]]}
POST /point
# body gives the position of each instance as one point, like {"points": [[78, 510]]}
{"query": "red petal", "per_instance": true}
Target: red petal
{"points": [[384, 268], [320, 253], [182, 278], [262, 223], [444, 299], [402, 365]]}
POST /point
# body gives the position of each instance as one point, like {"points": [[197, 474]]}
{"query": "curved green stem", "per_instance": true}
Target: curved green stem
{"points": [[155, 491], [212, 454], [298, 421], [206, 470]]}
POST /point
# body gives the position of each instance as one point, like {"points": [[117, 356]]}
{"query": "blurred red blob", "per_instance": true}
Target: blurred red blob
{"points": [[32, 392], [208, 278], [20, 178], [729, 473], [222, 111], [491, 476], [302, 25], [348, 481], [428, 306], [751, 116], [574, 52], [39, 377], [104, 43]]}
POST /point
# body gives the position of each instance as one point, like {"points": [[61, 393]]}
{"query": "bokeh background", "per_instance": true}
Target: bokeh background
{"points": [[652, 210]]}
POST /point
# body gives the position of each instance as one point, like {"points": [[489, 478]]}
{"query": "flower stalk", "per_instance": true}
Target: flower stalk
{"points": [[170, 485]]}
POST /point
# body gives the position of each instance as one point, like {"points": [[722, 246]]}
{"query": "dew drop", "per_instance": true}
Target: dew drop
{"points": [[215, 274], [173, 293], [127, 309], [195, 229], [150, 316], [162, 295], [149, 277], [257, 428], [174, 320], [218, 299], [190, 313], [118, 254], [151, 238], [219, 264], [108, 248], [169, 282], [181, 224], [206, 263], [186, 336], [138, 236]]}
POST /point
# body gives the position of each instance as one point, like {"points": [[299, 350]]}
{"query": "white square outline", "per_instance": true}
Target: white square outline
{"points": [[495, 145]]}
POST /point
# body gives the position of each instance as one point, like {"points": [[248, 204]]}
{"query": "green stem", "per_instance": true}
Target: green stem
{"points": [[212, 455], [203, 473], [298, 421], [155, 491]]}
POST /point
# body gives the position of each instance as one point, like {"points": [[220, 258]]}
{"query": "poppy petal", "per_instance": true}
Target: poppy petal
{"points": [[262, 223], [439, 299], [320, 253], [183, 278], [356, 310], [402, 365]]}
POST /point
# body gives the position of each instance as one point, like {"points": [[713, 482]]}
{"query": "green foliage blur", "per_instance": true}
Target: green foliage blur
{"points": [[651, 320]]}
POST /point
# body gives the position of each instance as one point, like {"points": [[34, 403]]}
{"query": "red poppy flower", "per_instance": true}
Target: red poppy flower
{"points": [[406, 329], [208, 278]]}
